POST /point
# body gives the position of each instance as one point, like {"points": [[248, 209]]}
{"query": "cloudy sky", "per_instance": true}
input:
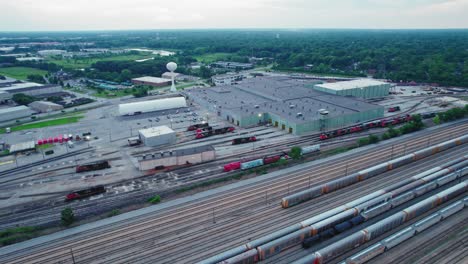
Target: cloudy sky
{"points": [[19, 15]]}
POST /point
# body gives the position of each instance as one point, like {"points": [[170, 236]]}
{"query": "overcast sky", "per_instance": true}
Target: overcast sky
{"points": [[19, 15]]}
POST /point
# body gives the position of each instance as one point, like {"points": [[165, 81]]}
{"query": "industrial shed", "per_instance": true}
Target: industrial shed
{"points": [[289, 104], [157, 136], [151, 81], [13, 113], [45, 106], [5, 97], [364, 88], [32, 89], [152, 105], [179, 157]]}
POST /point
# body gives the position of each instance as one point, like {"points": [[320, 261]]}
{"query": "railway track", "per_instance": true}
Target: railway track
{"points": [[110, 203], [235, 203]]}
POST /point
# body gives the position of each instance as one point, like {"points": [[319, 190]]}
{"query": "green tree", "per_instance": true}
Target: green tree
{"points": [[295, 152], [373, 139], [68, 217], [363, 141], [23, 99], [436, 120]]}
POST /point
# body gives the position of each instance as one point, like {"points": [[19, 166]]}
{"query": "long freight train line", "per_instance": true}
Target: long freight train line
{"points": [[297, 252], [173, 220], [152, 245], [88, 207], [98, 241]]}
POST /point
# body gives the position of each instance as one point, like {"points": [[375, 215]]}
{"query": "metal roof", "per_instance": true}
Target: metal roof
{"points": [[14, 109], [152, 105], [155, 131], [283, 97], [22, 146], [345, 85], [177, 152], [151, 79]]}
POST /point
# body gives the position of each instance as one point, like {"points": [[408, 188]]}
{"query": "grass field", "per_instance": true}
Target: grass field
{"points": [[47, 123], [87, 62], [20, 73], [211, 57]]}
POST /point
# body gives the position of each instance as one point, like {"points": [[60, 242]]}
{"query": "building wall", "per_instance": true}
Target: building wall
{"points": [[39, 90], [150, 163], [373, 91], [158, 140], [20, 113]]}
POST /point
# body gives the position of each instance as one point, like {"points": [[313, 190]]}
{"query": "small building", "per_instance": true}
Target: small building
{"points": [[152, 105], [180, 77], [5, 97], [364, 88], [226, 79], [157, 136], [30, 59], [45, 106], [52, 52], [151, 81], [179, 157], [23, 146], [13, 113], [232, 65]]}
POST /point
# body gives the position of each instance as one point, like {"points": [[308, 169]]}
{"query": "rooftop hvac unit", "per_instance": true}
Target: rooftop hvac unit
{"points": [[299, 114], [257, 106], [291, 106]]}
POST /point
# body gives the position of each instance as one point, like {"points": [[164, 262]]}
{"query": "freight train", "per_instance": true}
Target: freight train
{"points": [[371, 232], [362, 175], [243, 140], [399, 237], [100, 165], [252, 163], [364, 126], [359, 210], [85, 193], [207, 132], [197, 126]]}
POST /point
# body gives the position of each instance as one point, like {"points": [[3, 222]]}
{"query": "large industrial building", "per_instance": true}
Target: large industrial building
{"points": [[232, 65], [30, 88], [364, 88], [157, 136], [227, 79], [151, 81], [179, 157], [13, 113], [290, 104], [152, 105], [45, 106]]}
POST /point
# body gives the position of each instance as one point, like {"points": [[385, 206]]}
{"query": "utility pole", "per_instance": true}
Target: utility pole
{"points": [[73, 257], [266, 197], [214, 218], [392, 151]]}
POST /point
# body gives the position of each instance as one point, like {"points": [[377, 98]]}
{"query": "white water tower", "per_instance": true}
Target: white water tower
{"points": [[172, 66]]}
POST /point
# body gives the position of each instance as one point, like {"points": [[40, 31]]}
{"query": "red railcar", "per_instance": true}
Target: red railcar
{"points": [[197, 126], [85, 193]]}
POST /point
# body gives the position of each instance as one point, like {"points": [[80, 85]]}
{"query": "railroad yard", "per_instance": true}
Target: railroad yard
{"points": [[224, 175]]}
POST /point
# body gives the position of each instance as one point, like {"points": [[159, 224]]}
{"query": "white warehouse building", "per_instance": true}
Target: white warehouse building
{"points": [[157, 136], [364, 88], [152, 105]]}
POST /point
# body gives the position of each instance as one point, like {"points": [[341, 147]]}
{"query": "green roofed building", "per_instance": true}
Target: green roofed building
{"points": [[364, 88]]}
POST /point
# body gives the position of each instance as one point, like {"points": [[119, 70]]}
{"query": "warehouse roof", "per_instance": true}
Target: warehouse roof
{"points": [[47, 103], [13, 109], [28, 145], [152, 105], [151, 79], [345, 85], [23, 87], [155, 131], [290, 99]]}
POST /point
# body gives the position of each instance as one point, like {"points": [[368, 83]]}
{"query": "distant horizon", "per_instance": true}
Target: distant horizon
{"points": [[232, 29], [105, 15]]}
